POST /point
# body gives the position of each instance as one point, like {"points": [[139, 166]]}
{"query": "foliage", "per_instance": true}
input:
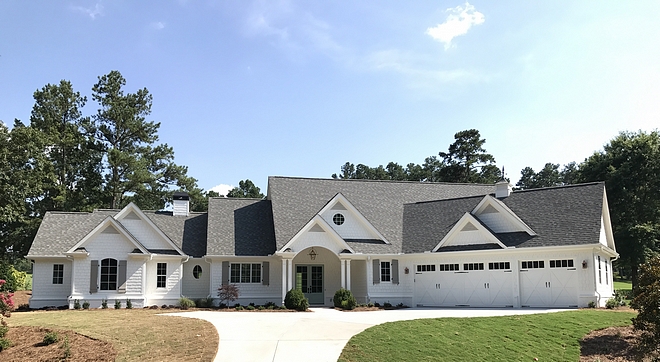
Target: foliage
{"points": [[67, 347], [246, 189], [21, 279], [85, 305], [547, 337], [7, 275], [129, 304], [344, 299], [250, 307], [630, 164], [295, 299], [228, 293], [186, 303], [239, 307], [117, 304], [592, 304], [50, 338], [4, 343], [611, 303], [647, 304], [104, 303], [76, 304]]}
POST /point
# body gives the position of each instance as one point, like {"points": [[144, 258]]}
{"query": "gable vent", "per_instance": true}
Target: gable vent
{"points": [[132, 216], [338, 206], [110, 230], [468, 227], [316, 229], [489, 210]]}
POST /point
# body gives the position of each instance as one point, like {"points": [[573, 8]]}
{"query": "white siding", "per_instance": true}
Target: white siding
{"points": [[44, 292], [257, 293], [196, 288], [352, 228], [359, 280], [467, 238], [317, 239], [331, 269], [145, 234], [172, 291], [388, 291], [499, 222]]}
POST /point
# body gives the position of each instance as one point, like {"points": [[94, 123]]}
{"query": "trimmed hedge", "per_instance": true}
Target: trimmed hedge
{"points": [[295, 299]]}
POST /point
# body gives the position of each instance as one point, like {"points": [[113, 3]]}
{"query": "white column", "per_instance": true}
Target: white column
{"points": [[348, 274], [283, 279], [343, 273], [289, 262]]}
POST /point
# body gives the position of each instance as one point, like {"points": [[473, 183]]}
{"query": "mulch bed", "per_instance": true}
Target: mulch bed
{"points": [[27, 345]]}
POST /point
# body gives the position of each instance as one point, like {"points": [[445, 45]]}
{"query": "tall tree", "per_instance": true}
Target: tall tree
{"points": [[70, 147], [138, 168], [466, 159], [246, 189], [630, 167]]}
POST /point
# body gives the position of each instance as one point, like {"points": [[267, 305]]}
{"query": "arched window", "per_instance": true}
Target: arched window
{"points": [[108, 274], [197, 271]]}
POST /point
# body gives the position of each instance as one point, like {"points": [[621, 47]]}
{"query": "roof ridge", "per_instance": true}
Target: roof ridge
{"points": [[378, 181], [452, 199], [561, 187]]}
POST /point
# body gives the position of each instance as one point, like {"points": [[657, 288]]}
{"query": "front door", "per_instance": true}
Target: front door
{"points": [[309, 279]]}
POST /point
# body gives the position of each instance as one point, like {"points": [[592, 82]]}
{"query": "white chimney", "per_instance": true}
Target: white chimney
{"points": [[502, 189], [181, 200]]}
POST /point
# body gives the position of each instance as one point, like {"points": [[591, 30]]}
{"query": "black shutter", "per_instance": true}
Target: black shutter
{"points": [[94, 276], [225, 272], [376, 267]]}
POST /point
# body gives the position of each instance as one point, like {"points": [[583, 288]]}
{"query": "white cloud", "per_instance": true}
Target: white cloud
{"points": [[97, 10], [222, 189], [158, 25], [459, 21]]}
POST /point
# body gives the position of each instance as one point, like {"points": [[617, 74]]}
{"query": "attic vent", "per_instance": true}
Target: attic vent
{"points": [[110, 230], [468, 227], [338, 206], [132, 216], [489, 210], [316, 229]]}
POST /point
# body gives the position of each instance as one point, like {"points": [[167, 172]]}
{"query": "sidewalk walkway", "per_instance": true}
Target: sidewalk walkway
{"points": [[319, 335]]}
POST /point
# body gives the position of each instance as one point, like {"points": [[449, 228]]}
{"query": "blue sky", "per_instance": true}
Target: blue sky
{"points": [[248, 89]]}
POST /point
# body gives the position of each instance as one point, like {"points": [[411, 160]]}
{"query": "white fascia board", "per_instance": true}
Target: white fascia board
{"points": [[45, 257], [609, 235], [339, 198], [109, 221], [502, 208], [318, 220], [132, 207], [468, 217]]}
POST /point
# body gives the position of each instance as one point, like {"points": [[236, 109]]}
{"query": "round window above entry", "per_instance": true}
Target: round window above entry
{"points": [[338, 219]]}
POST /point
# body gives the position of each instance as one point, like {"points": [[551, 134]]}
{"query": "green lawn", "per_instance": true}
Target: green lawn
{"points": [[548, 337], [622, 284]]}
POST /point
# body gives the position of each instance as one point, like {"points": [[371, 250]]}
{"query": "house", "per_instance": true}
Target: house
{"points": [[420, 244]]}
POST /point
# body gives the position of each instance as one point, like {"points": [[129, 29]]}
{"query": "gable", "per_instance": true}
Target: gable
{"points": [[109, 238], [498, 217], [317, 233], [347, 221], [144, 230], [469, 231]]}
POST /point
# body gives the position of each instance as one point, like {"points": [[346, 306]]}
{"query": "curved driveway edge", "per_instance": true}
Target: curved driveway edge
{"points": [[319, 335]]}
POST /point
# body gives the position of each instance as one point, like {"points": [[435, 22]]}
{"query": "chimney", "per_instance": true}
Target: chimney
{"points": [[502, 189], [181, 200]]}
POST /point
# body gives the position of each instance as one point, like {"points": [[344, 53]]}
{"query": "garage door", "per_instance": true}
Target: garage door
{"points": [[460, 287], [553, 284]]}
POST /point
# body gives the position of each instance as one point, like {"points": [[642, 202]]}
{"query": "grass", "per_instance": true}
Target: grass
{"points": [[622, 284], [548, 337], [138, 334]]}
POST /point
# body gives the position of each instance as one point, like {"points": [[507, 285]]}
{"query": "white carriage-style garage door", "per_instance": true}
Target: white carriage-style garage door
{"points": [[554, 284], [468, 284]]}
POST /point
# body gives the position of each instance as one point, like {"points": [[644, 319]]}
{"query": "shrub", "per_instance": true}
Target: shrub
{"points": [[377, 305], [76, 304], [185, 303], [295, 299], [261, 307], [7, 274], [344, 299], [647, 304], [85, 305], [117, 304], [611, 303], [591, 304], [4, 344], [270, 304], [50, 338], [250, 307], [20, 278], [239, 307], [129, 304], [228, 293], [104, 304], [3, 330], [66, 347], [370, 305], [387, 305]]}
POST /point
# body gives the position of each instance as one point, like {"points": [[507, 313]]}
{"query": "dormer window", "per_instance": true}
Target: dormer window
{"points": [[338, 219]]}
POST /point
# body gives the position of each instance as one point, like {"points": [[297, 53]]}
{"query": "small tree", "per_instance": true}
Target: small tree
{"points": [[228, 293], [6, 305], [647, 304]]}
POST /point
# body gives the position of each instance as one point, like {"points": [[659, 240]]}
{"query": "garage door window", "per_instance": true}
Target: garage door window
{"points": [[426, 268], [536, 264], [473, 266], [449, 267], [502, 265], [567, 263]]}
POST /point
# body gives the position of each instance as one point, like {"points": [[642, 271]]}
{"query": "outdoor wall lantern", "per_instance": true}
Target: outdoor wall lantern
{"points": [[584, 264], [406, 270], [312, 254]]}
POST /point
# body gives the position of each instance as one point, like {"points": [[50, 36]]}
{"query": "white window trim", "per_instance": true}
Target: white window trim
{"points": [[380, 271], [59, 271], [261, 266], [158, 276]]}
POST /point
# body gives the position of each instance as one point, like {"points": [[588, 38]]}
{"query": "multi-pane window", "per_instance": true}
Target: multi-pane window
{"points": [[385, 271], [502, 265], [108, 274], [448, 267], [607, 273], [161, 275], [426, 268], [536, 264], [564, 263], [58, 273], [473, 266], [600, 277], [245, 273], [197, 272]]}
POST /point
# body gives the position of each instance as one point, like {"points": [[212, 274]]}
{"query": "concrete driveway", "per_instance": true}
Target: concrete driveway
{"points": [[319, 335]]}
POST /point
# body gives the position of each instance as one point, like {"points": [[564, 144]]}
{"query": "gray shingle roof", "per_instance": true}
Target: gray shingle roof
{"points": [[240, 227], [296, 200], [187, 232]]}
